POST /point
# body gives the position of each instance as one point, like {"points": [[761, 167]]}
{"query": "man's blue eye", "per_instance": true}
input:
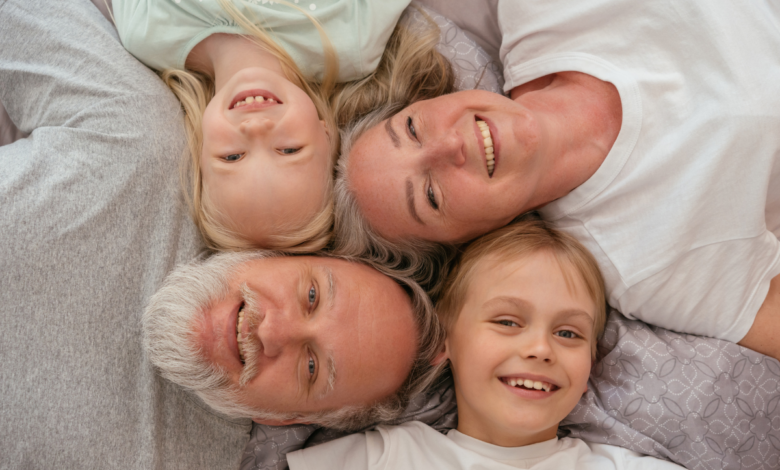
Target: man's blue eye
{"points": [[290, 151], [312, 295], [312, 367], [233, 157]]}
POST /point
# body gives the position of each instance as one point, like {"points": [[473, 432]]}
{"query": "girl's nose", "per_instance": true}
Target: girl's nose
{"points": [[256, 126]]}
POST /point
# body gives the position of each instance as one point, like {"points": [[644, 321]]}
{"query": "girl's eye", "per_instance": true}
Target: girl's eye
{"points": [[233, 157], [432, 198], [312, 295], [312, 367], [290, 151], [567, 334], [410, 126], [509, 323]]}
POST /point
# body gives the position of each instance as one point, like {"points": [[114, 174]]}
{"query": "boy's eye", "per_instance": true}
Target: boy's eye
{"points": [[290, 151], [312, 295], [509, 323], [233, 157], [567, 334]]}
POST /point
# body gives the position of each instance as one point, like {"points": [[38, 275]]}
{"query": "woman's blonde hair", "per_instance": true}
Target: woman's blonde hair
{"points": [[195, 90], [411, 70]]}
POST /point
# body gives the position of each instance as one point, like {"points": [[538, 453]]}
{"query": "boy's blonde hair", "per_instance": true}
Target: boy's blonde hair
{"points": [[527, 236], [196, 89]]}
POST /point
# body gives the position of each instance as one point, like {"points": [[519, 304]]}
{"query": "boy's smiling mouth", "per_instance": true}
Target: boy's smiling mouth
{"points": [[529, 385]]}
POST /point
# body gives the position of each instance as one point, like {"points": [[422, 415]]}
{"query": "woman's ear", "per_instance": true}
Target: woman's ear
{"points": [[442, 356]]}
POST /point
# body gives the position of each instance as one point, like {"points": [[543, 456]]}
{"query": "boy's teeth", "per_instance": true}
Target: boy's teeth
{"points": [[529, 384]]}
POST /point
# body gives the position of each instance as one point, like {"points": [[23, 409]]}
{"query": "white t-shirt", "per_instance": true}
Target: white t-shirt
{"points": [[683, 216], [414, 445]]}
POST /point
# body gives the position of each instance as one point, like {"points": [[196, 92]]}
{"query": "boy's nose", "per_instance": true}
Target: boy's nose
{"points": [[538, 347]]}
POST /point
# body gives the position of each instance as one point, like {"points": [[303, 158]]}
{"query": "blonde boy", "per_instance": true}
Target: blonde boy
{"points": [[523, 310]]}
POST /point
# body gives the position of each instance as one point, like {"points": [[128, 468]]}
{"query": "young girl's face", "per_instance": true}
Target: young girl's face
{"points": [[266, 158], [521, 323]]}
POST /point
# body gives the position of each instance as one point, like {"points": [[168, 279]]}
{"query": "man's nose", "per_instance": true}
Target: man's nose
{"points": [[256, 126], [279, 330]]}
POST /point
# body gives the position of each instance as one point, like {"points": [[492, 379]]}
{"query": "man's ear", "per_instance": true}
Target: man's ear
{"points": [[283, 422]]}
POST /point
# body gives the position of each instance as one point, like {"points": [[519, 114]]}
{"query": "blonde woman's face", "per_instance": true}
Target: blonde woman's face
{"points": [[266, 162], [520, 349]]}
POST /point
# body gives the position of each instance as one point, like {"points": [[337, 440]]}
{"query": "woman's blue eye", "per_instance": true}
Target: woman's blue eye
{"points": [[410, 126], [312, 367], [290, 151], [567, 334], [233, 157], [312, 295]]}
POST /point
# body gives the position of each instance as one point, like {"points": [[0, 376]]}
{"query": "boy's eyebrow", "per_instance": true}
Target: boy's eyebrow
{"points": [[524, 305], [576, 313]]}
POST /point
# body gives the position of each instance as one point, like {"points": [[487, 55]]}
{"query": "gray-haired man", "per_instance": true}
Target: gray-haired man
{"points": [[283, 340]]}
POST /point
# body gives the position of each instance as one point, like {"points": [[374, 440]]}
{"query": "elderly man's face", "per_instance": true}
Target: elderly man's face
{"points": [[327, 333]]}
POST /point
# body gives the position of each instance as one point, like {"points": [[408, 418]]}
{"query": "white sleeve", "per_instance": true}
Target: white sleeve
{"points": [[625, 459], [346, 453]]}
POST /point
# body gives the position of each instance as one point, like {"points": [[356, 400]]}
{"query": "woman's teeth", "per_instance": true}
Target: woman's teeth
{"points": [[488, 142], [238, 332], [252, 99], [529, 384]]}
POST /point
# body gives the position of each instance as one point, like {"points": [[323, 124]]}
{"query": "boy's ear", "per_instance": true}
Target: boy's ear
{"points": [[282, 422]]}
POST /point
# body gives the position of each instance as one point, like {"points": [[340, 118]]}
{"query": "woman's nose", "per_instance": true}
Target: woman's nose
{"points": [[447, 150], [256, 126]]}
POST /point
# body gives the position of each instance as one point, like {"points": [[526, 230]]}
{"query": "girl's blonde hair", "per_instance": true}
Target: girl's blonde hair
{"points": [[196, 89]]}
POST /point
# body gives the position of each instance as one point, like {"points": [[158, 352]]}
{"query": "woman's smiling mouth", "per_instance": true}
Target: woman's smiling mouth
{"points": [[487, 142]]}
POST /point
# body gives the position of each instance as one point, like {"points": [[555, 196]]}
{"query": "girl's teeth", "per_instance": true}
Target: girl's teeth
{"points": [[250, 100]]}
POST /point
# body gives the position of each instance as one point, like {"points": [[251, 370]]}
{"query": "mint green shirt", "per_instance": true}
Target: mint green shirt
{"points": [[161, 33]]}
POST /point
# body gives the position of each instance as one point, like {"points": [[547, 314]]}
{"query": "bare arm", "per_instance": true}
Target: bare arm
{"points": [[764, 335]]}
